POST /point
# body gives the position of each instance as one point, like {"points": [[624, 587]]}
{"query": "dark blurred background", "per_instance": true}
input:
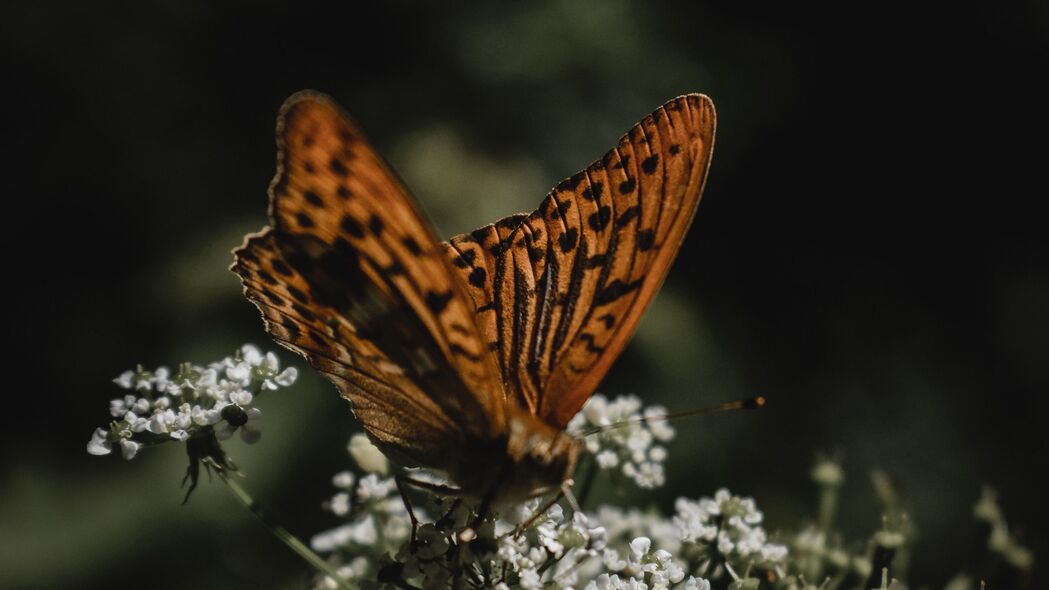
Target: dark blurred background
{"points": [[870, 253]]}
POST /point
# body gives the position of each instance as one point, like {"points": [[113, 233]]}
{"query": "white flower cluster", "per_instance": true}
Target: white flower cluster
{"points": [[553, 538], [729, 525], [624, 438], [371, 505], [642, 567], [161, 407], [604, 549]]}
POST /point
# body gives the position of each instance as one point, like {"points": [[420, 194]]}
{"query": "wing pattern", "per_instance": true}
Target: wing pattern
{"points": [[351, 276], [557, 293]]}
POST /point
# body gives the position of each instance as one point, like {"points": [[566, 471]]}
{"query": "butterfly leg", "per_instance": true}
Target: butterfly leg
{"points": [[403, 481], [467, 535], [563, 492]]}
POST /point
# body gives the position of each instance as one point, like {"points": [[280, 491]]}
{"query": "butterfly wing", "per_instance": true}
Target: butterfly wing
{"points": [[558, 293], [351, 276]]}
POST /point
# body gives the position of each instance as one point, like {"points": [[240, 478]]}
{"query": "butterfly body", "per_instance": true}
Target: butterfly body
{"points": [[469, 356]]}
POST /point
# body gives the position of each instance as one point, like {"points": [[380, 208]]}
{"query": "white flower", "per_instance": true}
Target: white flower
{"points": [[129, 448], [141, 406], [367, 455], [99, 443], [730, 523], [239, 374], [125, 380], [202, 417], [640, 546], [607, 459], [241, 397], [696, 584], [621, 439], [340, 504], [120, 406], [285, 378], [344, 480], [136, 423], [251, 355], [373, 488]]}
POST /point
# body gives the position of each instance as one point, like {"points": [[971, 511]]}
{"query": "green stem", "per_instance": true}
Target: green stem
{"points": [[280, 532], [828, 507]]}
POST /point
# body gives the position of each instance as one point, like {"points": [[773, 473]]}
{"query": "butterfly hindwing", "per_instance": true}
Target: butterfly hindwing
{"points": [[386, 400], [364, 290], [558, 293]]}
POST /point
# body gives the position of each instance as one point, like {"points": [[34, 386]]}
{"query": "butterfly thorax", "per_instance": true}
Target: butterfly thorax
{"points": [[536, 459]]}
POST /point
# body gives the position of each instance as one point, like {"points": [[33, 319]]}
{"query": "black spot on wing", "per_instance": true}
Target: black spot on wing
{"points": [[303, 312], [589, 340], [313, 199], [614, 291], [649, 164], [297, 294], [629, 215], [351, 226], [293, 329], [281, 268], [304, 220], [337, 167], [413, 246], [593, 192], [598, 220], [597, 261], [438, 301], [465, 259], [646, 238], [376, 225], [567, 241]]}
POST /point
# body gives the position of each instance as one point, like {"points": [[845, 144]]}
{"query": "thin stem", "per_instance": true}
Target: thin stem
{"points": [[280, 532]]}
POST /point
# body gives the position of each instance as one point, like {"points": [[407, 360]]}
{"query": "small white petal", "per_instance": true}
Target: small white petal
{"points": [[251, 355], [271, 362], [344, 480], [239, 373], [640, 546], [287, 377], [129, 448], [125, 379], [367, 455], [99, 444]]}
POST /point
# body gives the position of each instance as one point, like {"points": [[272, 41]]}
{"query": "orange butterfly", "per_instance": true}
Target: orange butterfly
{"points": [[469, 356]]}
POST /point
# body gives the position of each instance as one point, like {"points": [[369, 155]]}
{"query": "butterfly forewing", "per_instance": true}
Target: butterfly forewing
{"points": [[558, 293], [361, 287]]}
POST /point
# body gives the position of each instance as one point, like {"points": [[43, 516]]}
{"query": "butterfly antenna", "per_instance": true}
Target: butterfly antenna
{"points": [[752, 403]]}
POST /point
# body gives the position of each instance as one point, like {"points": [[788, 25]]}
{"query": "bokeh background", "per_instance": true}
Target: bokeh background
{"points": [[870, 253]]}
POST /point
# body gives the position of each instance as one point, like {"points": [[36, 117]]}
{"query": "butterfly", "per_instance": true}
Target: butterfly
{"points": [[469, 356]]}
